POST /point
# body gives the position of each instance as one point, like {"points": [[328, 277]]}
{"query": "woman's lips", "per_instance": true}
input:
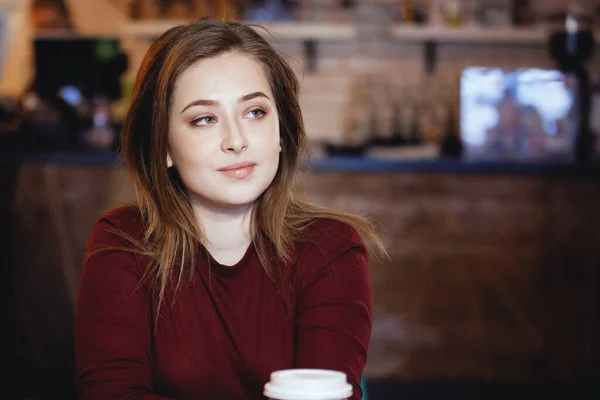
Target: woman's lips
{"points": [[238, 171]]}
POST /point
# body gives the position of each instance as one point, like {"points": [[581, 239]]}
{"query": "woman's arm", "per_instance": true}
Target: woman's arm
{"points": [[333, 313], [113, 324]]}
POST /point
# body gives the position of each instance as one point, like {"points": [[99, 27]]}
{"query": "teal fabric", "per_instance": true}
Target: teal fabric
{"points": [[363, 385]]}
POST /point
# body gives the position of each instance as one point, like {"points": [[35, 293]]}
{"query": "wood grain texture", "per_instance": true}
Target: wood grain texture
{"points": [[490, 277]]}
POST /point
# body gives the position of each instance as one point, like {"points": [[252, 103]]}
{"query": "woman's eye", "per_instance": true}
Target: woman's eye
{"points": [[204, 121], [256, 113]]}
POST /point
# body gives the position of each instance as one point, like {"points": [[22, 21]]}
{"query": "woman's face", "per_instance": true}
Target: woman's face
{"points": [[224, 131]]}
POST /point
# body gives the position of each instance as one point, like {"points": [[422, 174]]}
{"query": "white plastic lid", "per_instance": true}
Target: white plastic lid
{"points": [[308, 384]]}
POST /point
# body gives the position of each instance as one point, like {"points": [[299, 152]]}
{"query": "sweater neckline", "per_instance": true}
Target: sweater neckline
{"points": [[230, 271]]}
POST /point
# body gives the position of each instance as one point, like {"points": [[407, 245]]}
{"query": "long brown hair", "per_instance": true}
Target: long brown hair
{"points": [[171, 232]]}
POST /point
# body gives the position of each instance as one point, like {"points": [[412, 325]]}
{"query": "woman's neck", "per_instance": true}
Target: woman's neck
{"points": [[226, 231]]}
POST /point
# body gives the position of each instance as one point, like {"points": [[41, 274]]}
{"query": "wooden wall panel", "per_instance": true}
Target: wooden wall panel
{"points": [[470, 254]]}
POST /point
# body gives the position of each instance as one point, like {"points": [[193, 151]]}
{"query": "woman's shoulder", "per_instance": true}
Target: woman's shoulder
{"points": [[329, 229], [329, 243], [118, 223], [127, 216], [330, 237], [113, 249]]}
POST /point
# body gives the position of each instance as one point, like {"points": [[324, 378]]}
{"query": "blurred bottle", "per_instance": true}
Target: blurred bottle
{"points": [[415, 134], [451, 146], [453, 13], [382, 112], [200, 9], [101, 136], [405, 111], [50, 15], [411, 11], [443, 97], [470, 10], [397, 137], [135, 10], [416, 111], [357, 115], [522, 13], [496, 13], [406, 11], [226, 9], [178, 9], [145, 10], [428, 124], [572, 44], [572, 38]]}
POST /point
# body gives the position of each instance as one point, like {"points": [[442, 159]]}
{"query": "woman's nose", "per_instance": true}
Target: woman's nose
{"points": [[234, 139]]}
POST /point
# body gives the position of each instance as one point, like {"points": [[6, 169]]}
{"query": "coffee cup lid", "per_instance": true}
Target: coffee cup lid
{"points": [[308, 384]]}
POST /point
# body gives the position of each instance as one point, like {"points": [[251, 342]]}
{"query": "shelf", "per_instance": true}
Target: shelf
{"points": [[430, 36], [309, 31], [281, 31], [346, 31], [471, 35], [8, 5]]}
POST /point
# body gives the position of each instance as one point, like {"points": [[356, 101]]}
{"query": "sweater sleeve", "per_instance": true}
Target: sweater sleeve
{"points": [[333, 309], [112, 324]]}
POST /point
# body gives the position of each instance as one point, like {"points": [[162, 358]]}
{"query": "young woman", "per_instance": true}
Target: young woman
{"points": [[219, 275]]}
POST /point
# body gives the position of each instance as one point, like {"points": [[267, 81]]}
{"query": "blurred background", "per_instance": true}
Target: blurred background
{"points": [[467, 129]]}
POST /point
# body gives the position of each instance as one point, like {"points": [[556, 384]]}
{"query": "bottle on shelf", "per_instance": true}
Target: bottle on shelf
{"points": [[177, 10], [411, 11], [414, 134], [495, 13], [101, 135], [431, 99], [396, 100], [572, 44], [356, 119], [411, 114], [134, 10], [452, 12], [451, 146], [406, 11], [228, 9], [200, 9], [382, 112], [522, 13], [404, 107], [147, 10]]}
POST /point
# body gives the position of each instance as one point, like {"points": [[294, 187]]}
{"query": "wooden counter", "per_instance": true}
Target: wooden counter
{"points": [[493, 275]]}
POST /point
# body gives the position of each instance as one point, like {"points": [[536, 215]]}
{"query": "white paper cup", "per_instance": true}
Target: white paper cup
{"points": [[308, 384]]}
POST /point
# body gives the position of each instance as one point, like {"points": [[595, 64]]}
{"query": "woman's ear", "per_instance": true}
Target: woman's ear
{"points": [[169, 160]]}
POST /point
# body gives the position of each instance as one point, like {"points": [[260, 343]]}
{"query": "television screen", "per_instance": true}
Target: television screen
{"points": [[524, 114]]}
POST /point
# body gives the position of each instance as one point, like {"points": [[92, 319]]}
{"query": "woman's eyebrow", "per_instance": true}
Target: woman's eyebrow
{"points": [[215, 103]]}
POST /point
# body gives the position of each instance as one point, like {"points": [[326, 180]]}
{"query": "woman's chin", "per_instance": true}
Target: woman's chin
{"points": [[233, 201]]}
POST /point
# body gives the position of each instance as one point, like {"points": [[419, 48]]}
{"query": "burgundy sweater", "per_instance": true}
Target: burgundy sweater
{"points": [[225, 331]]}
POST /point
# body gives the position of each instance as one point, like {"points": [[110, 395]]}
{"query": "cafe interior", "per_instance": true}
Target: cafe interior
{"points": [[467, 130]]}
